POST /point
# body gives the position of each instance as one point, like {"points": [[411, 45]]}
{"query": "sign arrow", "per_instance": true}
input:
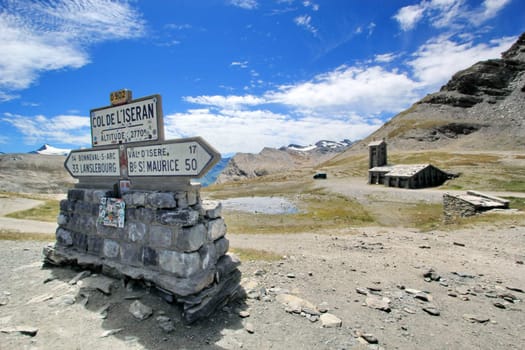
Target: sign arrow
{"points": [[190, 157], [91, 163]]}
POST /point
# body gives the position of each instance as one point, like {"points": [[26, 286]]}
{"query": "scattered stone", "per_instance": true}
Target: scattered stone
{"points": [[165, 323], [476, 318], [370, 338], [249, 327], [259, 273], [452, 294], [40, 298], [515, 289], [362, 291], [412, 291], [374, 289], [463, 275], [290, 275], [499, 305], [4, 299], [140, 311], [63, 300], [382, 304], [423, 296], [111, 332], [294, 304], [431, 275], [424, 247], [24, 330], [459, 244], [323, 307], [101, 283], [244, 314], [462, 290], [330, 321], [431, 310], [409, 310], [80, 276], [511, 298]]}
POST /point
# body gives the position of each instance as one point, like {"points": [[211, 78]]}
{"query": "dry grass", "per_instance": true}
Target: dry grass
{"points": [[25, 236], [247, 254], [48, 211]]}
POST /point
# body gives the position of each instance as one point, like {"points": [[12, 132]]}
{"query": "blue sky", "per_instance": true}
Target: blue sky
{"points": [[243, 74]]}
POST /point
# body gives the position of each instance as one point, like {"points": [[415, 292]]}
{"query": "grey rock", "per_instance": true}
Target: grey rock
{"points": [[476, 318], [382, 304], [515, 289], [79, 277], [432, 310], [139, 310], [330, 321], [249, 327], [165, 323], [370, 338], [361, 291], [111, 332], [423, 296], [101, 283], [216, 229], [244, 314], [24, 330], [181, 264]]}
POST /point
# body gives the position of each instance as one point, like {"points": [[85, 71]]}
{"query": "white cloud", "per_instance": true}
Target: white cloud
{"points": [[489, 9], [229, 101], [64, 129], [385, 58], [439, 58], [409, 16], [305, 22], [36, 37], [448, 13], [240, 64], [233, 131], [361, 90], [244, 4]]}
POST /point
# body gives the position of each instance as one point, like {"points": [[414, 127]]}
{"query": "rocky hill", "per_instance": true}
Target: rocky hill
{"points": [[480, 108], [34, 173], [271, 160]]}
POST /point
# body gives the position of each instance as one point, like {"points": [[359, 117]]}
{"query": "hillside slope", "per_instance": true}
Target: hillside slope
{"points": [[480, 108]]}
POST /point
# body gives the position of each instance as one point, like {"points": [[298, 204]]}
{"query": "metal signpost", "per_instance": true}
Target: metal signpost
{"points": [[128, 144], [136, 121], [191, 157], [89, 163]]}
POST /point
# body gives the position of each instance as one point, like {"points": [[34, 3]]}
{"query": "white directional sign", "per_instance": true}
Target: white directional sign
{"points": [[89, 163], [139, 120], [191, 157]]}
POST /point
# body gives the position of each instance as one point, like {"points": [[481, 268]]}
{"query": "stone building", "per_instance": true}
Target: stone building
{"points": [[470, 204], [403, 176]]}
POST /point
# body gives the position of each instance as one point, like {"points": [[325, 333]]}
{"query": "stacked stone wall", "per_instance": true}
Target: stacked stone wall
{"points": [[171, 239], [455, 207]]}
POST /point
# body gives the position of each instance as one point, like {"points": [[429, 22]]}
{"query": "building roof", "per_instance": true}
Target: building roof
{"points": [[400, 170], [376, 143]]}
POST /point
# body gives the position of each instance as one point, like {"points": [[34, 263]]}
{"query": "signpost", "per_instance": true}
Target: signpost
{"points": [[129, 149], [139, 120], [93, 163], [191, 157]]}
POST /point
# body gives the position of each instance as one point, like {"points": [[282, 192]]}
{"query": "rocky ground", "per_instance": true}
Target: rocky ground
{"points": [[357, 288]]}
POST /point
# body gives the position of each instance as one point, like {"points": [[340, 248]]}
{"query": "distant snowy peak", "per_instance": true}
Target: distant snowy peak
{"points": [[51, 151], [321, 146]]}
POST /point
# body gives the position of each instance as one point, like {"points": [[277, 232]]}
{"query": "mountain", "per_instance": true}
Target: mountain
{"points": [[51, 151], [479, 108], [286, 158]]}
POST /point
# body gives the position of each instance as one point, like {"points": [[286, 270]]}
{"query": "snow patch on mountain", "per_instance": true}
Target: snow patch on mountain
{"points": [[49, 150]]}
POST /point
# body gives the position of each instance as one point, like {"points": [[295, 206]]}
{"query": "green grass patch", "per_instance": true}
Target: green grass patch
{"points": [[247, 254], [47, 211], [25, 236]]}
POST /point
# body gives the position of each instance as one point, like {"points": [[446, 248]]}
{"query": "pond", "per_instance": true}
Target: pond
{"points": [[260, 205]]}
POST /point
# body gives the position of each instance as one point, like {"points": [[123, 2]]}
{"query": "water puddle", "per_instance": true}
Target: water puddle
{"points": [[260, 205]]}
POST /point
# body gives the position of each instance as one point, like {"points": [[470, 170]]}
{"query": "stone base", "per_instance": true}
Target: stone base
{"points": [[200, 296]]}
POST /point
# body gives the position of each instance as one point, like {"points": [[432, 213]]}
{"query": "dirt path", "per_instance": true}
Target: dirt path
{"points": [[11, 205]]}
